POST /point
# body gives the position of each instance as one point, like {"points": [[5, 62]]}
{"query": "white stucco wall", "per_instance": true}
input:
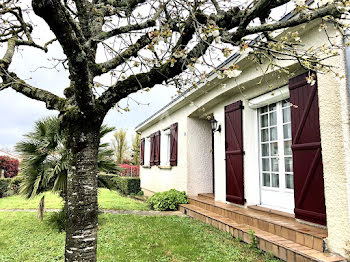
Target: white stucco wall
{"points": [[199, 163], [335, 132], [155, 179]]}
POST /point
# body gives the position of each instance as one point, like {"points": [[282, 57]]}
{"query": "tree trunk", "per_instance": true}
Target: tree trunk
{"points": [[81, 228]]}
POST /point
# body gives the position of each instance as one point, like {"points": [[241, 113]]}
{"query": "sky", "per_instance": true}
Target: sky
{"points": [[18, 113]]}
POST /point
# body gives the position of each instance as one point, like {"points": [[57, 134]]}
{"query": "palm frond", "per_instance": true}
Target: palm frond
{"points": [[46, 162]]}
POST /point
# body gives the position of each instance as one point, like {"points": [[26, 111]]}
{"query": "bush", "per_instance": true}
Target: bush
{"points": [[168, 200], [128, 185], [15, 184], [10, 165], [4, 186], [58, 219]]}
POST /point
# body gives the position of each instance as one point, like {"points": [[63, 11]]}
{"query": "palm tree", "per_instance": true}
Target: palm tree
{"points": [[46, 161]]}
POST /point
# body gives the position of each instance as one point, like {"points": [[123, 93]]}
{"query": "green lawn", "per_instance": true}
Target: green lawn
{"points": [[107, 199], [125, 238]]}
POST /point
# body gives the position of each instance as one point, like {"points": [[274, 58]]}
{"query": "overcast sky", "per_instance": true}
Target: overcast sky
{"points": [[18, 113]]}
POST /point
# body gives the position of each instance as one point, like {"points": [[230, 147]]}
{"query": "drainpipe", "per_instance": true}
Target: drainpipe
{"points": [[347, 68]]}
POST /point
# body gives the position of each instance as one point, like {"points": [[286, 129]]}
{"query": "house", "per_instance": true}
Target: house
{"points": [[276, 160]]}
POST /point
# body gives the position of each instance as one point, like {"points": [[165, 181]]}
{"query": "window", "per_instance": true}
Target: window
{"points": [[275, 145], [147, 151], [165, 148]]}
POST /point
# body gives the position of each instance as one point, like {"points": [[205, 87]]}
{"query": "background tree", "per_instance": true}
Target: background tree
{"points": [[45, 160], [115, 48], [120, 145], [136, 146]]}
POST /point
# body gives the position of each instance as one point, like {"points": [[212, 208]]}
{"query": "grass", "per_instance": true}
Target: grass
{"points": [[19, 202], [107, 199], [125, 238]]}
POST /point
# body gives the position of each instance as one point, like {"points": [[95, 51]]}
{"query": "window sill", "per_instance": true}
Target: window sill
{"points": [[146, 166], [164, 167]]}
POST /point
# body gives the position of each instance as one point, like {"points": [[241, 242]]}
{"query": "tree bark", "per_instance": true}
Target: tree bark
{"points": [[82, 221]]}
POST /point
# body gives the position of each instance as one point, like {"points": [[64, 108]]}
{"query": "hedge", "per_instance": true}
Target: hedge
{"points": [[4, 186], [128, 185]]}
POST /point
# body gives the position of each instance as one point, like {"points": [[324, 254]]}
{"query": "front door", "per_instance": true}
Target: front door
{"points": [[276, 166]]}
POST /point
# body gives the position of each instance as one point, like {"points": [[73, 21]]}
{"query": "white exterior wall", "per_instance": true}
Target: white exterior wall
{"points": [[199, 163], [335, 136], [155, 179]]}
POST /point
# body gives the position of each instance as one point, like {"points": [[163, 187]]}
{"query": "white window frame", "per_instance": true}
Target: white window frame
{"points": [[147, 151], [165, 147], [280, 143]]}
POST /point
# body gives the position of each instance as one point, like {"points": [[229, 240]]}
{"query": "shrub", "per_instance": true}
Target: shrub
{"points": [[10, 165], [15, 184], [58, 219], [128, 185], [4, 186], [168, 200]]}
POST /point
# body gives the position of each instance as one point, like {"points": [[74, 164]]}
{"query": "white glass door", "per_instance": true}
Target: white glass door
{"points": [[276, 166]]}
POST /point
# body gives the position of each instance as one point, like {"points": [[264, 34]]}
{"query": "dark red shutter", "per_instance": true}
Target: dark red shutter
{"points": [[173, 144], [234, 153], [152, 146], [306, 147], [142, 153], [157, 148]]}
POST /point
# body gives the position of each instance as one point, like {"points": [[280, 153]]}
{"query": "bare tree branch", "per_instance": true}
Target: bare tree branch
{"points": [[329, 10], [128, 28], [13, 81]]}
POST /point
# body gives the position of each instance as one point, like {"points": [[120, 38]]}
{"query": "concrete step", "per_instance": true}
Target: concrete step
{"points": [[280, 247]]}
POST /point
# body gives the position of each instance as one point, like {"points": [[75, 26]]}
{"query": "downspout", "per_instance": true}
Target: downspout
{"points": [[347, 68]]}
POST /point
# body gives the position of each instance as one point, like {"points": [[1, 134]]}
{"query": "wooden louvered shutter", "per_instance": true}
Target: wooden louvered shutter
{"points": [[142, 153], [157, 148], [173, 144], [234, 153], [306, 148], [152, 146]]}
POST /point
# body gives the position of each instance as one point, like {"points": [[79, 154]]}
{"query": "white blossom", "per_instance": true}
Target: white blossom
{"points": [[246, 51], [311, 80], [233, 73], [191, 67], [215, 33]]}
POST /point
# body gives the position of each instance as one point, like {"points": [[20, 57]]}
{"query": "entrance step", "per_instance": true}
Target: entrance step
{"points": [[284, 237], [209, 196], [272, 211], [286, 227]]}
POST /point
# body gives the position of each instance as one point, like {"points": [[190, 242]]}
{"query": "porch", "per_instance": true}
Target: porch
{"points": [[281, 235]]}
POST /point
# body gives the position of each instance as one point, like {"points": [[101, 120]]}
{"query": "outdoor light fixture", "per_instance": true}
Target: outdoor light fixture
{"points": [[214, 125]]}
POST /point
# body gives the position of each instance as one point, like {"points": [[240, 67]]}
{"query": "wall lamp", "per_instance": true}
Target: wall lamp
{"points": [[215, 126]]}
